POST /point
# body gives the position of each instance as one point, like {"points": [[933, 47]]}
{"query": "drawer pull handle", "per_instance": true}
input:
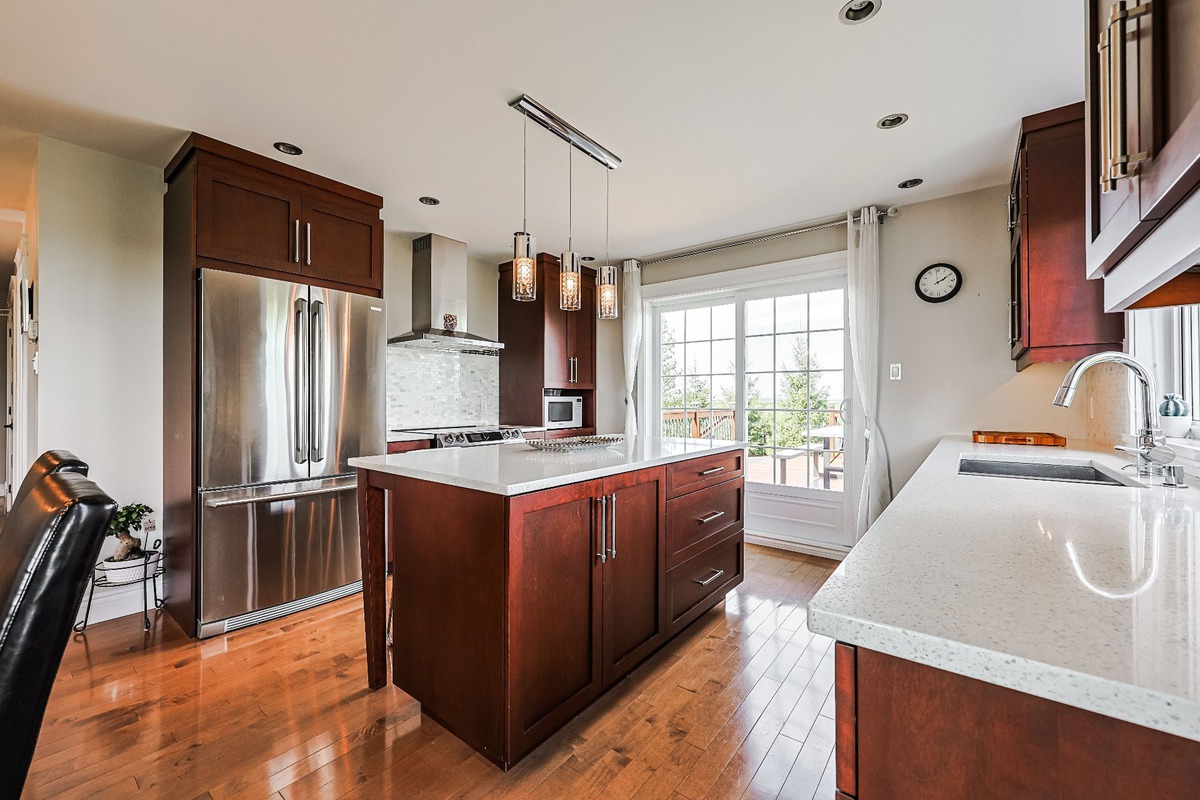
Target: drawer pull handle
{"points": [[711, 517], [709, 580], [713, 471]]}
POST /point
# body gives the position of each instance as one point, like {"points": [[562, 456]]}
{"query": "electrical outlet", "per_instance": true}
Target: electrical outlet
{"points": [[150, 526], [894, 372]]}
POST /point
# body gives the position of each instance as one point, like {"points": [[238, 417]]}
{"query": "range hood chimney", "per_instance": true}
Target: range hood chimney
{"points": [[439, 287]]}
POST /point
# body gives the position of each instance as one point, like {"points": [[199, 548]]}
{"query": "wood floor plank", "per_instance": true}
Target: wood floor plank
{"points": [[279, 711]]}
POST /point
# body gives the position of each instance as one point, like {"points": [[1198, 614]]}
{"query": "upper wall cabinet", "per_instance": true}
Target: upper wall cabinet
{"points": [[546, 347], [257, 215], [1143, 145], [1056, 313]]}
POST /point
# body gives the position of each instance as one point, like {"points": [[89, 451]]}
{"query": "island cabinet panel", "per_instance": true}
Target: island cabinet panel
{"points": [[448, 606], [554, 610], [633, 569], [922, 732], [699, 520], [696, 473], [692, 585]]}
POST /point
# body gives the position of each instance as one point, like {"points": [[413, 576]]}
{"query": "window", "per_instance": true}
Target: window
{"points": [[765, 364], [698, 367], [1191, 359]]}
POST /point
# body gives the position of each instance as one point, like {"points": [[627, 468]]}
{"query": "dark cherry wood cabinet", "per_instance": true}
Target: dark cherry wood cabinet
{"points": [[555, 610], [513, 614], [634, 511], [905, 730], [1143, 125], [254, 214], [546, 347], [1055, 313], [229, 209]]}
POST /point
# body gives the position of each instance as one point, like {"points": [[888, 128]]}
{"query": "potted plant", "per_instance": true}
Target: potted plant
{"points": [[1176, 416], [130, 562]]}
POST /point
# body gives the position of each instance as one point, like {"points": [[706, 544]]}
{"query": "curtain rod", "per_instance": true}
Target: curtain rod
{"points": [[891, 212]]}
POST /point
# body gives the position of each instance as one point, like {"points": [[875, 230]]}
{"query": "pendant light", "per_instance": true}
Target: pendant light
{"points": [[569, 288], [524, 249], [606, 276]]}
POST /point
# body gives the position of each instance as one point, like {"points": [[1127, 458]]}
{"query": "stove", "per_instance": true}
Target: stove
{"points": [[469, 436]]}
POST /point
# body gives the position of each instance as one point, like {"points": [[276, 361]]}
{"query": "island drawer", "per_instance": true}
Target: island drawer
{"points": [[696, 473], [710, 574], [701, 519]]}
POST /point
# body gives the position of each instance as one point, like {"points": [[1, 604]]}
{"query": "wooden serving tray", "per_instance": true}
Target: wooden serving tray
{"points": [[1018, 437]]}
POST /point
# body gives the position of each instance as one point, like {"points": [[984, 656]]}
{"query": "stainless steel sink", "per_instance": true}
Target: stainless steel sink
{"points": [[1043, 471]]}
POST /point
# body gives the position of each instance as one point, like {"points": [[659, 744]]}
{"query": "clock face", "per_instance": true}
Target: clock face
{"points": [[937, 283]]}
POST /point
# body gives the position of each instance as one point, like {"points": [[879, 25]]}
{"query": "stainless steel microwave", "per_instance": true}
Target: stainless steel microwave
{"points": [[562, 412]]}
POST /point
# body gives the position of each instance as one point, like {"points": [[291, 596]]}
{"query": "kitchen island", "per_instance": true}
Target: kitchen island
{"points": [[527, 583], [1010, 638]]}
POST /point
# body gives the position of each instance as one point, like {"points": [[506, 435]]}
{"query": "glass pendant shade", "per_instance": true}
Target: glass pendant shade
{"points": [[570, 286], [606, 292], [524, 268]]}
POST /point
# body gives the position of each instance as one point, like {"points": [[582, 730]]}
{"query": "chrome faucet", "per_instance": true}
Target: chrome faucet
{"points": [[1151, 450]]}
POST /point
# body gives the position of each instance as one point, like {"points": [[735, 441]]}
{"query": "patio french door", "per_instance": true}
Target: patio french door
{"points": [[768, 364]]}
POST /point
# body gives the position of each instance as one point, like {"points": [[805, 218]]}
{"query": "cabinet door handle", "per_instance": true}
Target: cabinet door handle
{"points": [[1011, 216], [612, 525], [707, 581], [296, 251], [713, 471], [308, 244], [603, 554], [711, 517], [1104, 72], [1012, 316], [1116, 157]]}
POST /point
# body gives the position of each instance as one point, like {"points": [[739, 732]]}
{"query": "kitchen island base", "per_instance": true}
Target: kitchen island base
{"points": [[512, 614], [906, 730]]}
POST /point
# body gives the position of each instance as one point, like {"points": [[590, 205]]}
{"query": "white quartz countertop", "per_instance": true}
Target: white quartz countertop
{"points": [[1087, 595], [516, 468]]}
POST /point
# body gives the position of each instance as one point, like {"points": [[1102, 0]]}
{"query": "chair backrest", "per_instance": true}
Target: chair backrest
{"points": [[48, 463], [49, 545]]}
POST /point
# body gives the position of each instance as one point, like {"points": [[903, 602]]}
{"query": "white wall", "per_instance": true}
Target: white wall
{"points": [[957, 375], [98, 232]]}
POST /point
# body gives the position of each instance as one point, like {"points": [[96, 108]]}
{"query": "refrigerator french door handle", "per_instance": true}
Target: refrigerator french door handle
{"points": [[300, 401], [316, 379]]}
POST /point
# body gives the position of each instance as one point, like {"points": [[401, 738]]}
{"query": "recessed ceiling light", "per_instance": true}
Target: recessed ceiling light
{"points": [[911, 183], [288, 149], [429, 201], [588, 258], [857, 11], [892, 121]]}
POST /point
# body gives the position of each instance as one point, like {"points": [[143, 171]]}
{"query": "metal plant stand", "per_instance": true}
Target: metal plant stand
{"points": [[101, 581]]}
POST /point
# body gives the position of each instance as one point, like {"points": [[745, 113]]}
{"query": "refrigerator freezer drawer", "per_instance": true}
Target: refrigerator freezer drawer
{"points": [[273, 547]]}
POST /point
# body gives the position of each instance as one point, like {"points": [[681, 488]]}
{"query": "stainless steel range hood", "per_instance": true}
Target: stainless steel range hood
{"points": [[439, 287]]}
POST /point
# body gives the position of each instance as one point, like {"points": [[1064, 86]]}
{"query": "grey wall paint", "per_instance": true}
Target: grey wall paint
{"points": [[957, 375]]}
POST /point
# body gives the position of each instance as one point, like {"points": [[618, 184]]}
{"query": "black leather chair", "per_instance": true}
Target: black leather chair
{"points": [[51, 540], [48, 463]]}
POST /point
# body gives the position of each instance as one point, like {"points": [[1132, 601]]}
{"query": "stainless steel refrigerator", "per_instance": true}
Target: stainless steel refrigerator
{"points": [[291, 387]]}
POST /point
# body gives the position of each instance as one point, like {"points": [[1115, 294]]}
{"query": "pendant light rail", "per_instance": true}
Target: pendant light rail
{"points": [[552, 122]]}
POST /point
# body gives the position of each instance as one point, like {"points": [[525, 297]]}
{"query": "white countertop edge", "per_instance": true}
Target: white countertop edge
{"points": [[1116, 699], [407, 470]]}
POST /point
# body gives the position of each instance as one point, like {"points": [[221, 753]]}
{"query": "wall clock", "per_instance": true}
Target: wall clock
{"points": [[937, 283]]}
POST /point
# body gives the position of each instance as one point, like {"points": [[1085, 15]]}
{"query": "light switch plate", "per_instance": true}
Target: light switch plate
{"points": [[894, 372]]}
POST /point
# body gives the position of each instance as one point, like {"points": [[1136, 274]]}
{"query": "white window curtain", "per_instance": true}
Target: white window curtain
{"points": [[862, 251], [631, 337]]}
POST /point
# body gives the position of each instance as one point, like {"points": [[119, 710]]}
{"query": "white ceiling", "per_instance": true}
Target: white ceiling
{"points": [[731, 118]]}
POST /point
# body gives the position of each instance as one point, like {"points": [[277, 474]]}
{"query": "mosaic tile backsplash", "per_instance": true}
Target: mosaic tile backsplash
{"points": [[1107, 390], [435, 388]]}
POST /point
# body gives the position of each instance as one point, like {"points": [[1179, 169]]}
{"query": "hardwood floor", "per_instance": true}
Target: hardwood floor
{"points": [[741, 705]]}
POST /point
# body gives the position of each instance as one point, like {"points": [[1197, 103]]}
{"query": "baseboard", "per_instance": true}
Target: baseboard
{"points": [[115, 602], [835, 552]]}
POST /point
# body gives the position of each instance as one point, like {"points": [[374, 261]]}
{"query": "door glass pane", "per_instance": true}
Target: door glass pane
{"points": [[760, 316], [698, 323], [793, 375]]}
